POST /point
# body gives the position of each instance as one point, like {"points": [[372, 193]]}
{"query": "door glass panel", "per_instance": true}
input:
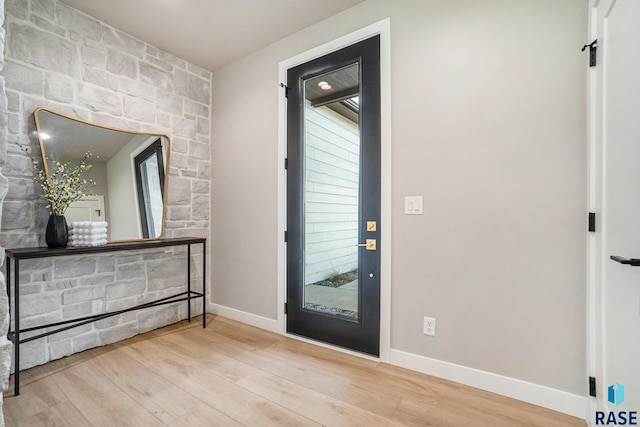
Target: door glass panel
{"points": [[331, 192]]}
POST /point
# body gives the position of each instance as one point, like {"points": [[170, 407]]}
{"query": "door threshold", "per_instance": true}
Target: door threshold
{"points": [[332, 347]]}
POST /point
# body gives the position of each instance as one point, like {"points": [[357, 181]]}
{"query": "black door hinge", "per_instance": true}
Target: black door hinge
{"points": [[592, 222], [286, 90], [592, 386], [286, 163], [286, 236], [593, 49], [285, 308]]}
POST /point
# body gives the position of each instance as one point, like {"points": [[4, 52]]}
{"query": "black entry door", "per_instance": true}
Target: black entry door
{"points": [[333, 198]]}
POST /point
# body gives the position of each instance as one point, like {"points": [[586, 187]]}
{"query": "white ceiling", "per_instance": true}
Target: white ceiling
{"points": [[211, 33]]}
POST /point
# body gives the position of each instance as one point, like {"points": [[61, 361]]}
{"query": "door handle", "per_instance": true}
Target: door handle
{"points": [[370, 245], [633, 262]]}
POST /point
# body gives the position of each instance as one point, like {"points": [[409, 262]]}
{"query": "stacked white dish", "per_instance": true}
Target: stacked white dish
{"points": [[88, 233]]}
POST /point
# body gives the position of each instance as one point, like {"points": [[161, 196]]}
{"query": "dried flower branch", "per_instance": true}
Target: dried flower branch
{"points": [[65, 183]]}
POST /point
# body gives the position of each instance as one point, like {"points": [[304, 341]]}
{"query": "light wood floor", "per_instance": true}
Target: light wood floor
{"points": [[234, 374]]}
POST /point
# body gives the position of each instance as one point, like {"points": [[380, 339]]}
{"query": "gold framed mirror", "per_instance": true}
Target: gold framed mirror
{"points": [[130, 170]]}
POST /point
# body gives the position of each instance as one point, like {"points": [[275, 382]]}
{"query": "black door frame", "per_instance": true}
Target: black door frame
{"points": [[362, 335], [154, 149]]}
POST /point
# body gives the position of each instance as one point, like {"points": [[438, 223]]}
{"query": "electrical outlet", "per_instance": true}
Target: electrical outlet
{"points": [[429, 326]]}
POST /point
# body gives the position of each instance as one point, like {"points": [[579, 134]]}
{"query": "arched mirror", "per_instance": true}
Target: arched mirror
{"points": [[129, 168]]}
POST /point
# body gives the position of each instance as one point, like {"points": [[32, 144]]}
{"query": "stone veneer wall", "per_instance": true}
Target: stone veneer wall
{"points": [[60, 58], [5, 345]]}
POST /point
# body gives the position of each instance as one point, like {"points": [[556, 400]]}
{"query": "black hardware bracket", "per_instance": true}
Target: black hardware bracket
{"points": [[592, 222], [286, 90], [592, 387], [593, 49], [633, 262]]}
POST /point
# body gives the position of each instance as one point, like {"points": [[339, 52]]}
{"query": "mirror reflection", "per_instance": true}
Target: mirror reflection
{"points": [[129, 168]]}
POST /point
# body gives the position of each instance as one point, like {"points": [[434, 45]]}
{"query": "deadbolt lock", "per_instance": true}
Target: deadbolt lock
{"points": [[370, 245]]}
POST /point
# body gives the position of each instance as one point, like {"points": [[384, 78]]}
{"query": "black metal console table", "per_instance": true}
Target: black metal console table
{"points": [[16, 255]]}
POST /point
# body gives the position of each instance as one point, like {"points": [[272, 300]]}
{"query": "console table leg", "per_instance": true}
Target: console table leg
{"points": [[204, 284], [189, 282], [16, 330]]}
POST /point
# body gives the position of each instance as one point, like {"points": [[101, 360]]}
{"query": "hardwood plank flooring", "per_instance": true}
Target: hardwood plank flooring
{"points": [[232, 374]]}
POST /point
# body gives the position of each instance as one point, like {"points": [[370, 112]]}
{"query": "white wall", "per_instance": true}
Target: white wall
{"points": [[488, 125], [123, 211]]}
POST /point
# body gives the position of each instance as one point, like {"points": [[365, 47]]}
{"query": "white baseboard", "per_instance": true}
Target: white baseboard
{"points": [[244, 317], [536, 394]]}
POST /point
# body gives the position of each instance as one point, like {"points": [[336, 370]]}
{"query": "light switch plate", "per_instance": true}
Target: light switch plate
{"points": [[413, 205]]}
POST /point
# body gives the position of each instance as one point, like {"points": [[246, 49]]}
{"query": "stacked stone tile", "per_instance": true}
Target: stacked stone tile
{"points": [[5, 345], [59, 58]]}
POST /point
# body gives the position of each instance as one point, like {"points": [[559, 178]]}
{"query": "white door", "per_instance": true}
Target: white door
{"points": [[89, 208], [615, 196]]}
